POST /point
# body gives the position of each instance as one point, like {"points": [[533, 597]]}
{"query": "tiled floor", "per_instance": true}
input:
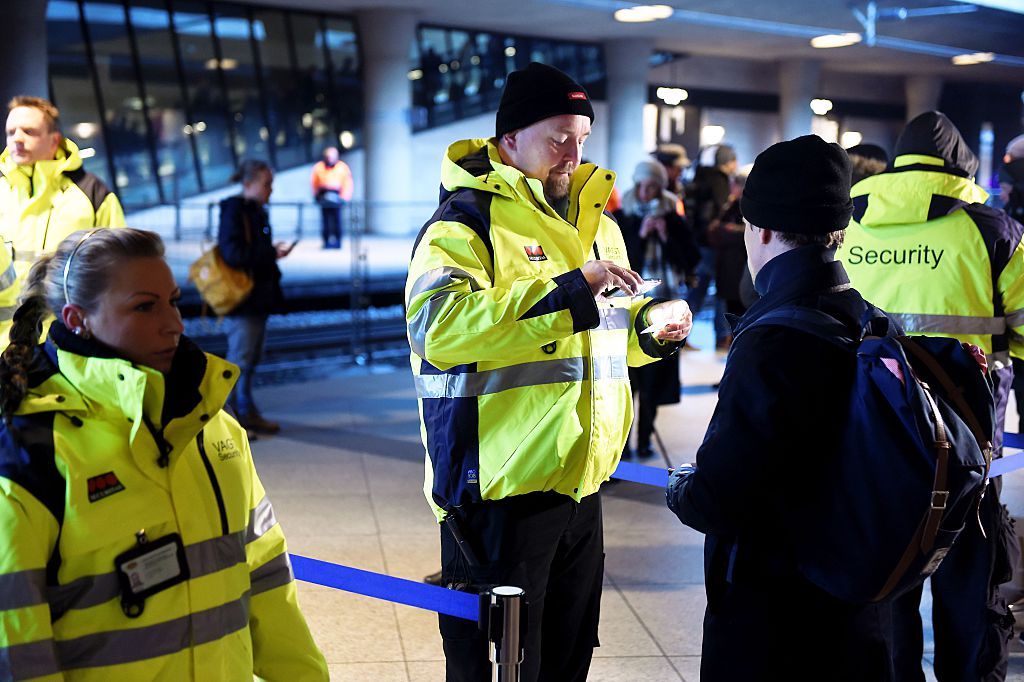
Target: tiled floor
{"points": [[346, 474]]}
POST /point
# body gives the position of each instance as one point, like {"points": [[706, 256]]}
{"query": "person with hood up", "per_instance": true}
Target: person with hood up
{"points": [[924, 247], [45, 194]]}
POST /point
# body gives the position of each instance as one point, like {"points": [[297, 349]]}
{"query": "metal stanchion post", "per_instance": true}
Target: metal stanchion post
{"points": [[506, 610]]}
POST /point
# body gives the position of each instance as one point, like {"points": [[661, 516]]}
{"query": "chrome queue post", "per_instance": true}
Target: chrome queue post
{"points": [[506, 608]]}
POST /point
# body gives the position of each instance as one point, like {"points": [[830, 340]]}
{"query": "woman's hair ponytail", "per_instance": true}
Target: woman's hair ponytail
{"points": [[28, 322]]}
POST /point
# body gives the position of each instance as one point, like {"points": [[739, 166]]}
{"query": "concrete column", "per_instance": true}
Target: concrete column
{"points": [[798, 85], [923, 92], [627, 64], [387, 37], [23, 50]]}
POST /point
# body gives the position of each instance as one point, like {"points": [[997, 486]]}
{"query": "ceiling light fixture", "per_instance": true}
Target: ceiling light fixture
{"points": [[973, 58], [836, 40], [851, 138], [643, 13], [672, 96], [821, 106]]}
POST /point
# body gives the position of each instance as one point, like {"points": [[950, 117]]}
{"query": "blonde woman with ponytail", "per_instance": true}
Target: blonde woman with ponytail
{"points": [[138, 543]]}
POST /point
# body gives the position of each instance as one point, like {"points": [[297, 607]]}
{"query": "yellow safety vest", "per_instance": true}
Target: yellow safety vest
{"points": [[521, 377], [92, 476]]}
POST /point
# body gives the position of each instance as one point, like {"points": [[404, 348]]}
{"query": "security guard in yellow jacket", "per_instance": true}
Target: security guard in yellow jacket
{"points": [[138, 542], [45, 194], [522, 375], [926, 249]]}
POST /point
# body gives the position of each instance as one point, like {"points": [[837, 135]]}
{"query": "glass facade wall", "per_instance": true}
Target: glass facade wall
{"points": [[459, 73], [164, 97]]}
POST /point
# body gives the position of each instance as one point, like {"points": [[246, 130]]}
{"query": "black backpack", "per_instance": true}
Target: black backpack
{"points": [[912, 465]]}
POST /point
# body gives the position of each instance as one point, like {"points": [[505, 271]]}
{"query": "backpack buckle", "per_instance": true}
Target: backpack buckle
{"points": [[939, 498]]}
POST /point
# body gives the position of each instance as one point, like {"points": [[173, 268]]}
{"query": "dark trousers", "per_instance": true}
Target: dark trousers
{"points": [[331, 224], [787, 630], [246, 340], [553, 548], [969, 618]]}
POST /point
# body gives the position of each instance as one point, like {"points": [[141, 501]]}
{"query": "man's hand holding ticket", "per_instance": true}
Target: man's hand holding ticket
{"points": [[670, 321]]}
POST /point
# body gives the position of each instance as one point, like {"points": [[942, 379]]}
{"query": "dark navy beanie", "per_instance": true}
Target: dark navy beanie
{"points": [[537, 92], [800, 186]]}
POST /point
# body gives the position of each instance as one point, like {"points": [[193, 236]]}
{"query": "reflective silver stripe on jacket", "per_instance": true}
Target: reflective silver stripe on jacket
{"points": [[21, 589], [519, 376], [1015, 318], [28, 661], [116, 647], [204, 558], [7, 313], [614, 318], [438, 278], [950, 324], [24, 256], [9, 277], [274, 573], [261, 519]]}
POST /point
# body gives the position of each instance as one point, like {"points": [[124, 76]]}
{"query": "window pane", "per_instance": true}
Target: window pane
{"points": [[291, 139], [73, 91], [343, 50], [312, 81], [205, 96], [252, 137], [176, 165], [124, 116]]}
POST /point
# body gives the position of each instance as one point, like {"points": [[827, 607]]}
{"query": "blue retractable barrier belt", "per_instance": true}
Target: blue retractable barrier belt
{"points": [[399, 590], [658, 476], [466, 605]]}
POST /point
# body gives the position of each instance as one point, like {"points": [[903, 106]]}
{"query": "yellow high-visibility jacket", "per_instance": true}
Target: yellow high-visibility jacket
{"points": [[40, 205], [923, 247], [105, 449], [521, 376]]}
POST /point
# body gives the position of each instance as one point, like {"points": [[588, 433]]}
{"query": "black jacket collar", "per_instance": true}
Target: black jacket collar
{"points": [[804, 271]]}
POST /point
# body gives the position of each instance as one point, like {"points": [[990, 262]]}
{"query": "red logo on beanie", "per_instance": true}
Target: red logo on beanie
{"points": [[577, 95]]}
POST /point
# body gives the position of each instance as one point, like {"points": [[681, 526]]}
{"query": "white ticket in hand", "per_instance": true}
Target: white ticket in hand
{"points": [[645, 286], [655, 328]]}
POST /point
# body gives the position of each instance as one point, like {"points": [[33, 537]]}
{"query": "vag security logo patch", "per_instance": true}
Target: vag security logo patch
{"points": [[226, 449], [535, 253], [104, 485], [471, 476]]}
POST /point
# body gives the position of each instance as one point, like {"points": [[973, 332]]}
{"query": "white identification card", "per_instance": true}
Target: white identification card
{"points": [[153, 568]]}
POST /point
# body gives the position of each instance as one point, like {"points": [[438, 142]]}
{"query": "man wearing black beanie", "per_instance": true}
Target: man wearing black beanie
{"points": [[924, 246], [779, 417], [523, 314]]}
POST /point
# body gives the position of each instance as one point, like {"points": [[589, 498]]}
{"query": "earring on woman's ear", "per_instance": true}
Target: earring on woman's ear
{"points": [[78, 331]]}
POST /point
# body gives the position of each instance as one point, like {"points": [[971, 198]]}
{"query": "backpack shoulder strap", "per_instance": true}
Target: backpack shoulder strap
{"points": [[810, 321]]}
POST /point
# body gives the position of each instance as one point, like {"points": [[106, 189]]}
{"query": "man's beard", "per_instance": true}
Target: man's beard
{"points": [[556, 185]]}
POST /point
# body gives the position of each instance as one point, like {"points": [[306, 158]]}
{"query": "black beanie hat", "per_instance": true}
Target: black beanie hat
{"points": [[800, 186], [537, 92]]}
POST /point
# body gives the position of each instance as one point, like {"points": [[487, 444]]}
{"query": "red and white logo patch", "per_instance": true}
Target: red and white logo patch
{"points": [[577, 95], [104, 485], [535, 253]]}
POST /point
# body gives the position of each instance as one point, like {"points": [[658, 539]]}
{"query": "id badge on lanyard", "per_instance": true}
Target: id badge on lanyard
{"points": [[148, 568]]}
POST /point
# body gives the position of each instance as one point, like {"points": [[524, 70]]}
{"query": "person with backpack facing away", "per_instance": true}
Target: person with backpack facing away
{"points": [[782, 404], [45, 193], [139, 543], [924, 247]]}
